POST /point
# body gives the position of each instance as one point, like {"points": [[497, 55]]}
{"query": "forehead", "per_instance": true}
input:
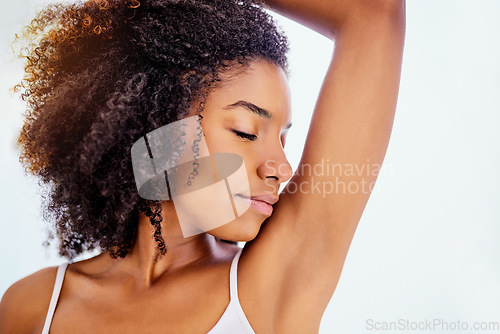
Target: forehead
{"points": [[262, 84]]}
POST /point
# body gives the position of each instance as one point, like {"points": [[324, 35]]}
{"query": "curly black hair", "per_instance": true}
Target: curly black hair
{"points": [[101, 74]]}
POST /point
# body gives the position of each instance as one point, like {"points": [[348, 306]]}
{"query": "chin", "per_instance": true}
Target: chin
{"points": [[243, 229]]}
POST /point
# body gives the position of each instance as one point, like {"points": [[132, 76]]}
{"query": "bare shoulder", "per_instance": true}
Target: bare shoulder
{"points": [[25, 303]]}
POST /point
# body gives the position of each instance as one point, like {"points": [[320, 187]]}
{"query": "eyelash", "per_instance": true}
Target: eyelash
{"points": [[245, 135]]}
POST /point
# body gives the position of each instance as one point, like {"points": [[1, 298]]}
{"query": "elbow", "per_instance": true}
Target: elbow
{"points": [[362, 13], [366, 15], [388, 7], [392, 9], [379, 13]]}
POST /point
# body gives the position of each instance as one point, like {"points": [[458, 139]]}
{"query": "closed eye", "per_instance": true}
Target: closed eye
{"points": [[245, 135]]}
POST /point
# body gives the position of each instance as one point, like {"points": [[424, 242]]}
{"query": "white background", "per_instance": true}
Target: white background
{"points": [[427, 245]]}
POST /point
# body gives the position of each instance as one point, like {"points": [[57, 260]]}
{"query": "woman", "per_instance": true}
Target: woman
{"points": [[104, 74]]}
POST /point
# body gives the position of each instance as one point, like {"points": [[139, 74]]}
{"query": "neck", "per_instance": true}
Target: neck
{"points": [[142, 260]]}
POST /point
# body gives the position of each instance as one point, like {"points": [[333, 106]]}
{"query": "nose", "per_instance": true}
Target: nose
{"points": [[275, 165]]}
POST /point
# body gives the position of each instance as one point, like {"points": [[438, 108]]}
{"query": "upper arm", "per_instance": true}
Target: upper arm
{"points": [[24, 305], [302, 247]]}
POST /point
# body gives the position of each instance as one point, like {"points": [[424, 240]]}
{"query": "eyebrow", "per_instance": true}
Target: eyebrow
{"points": [[254, 109]]}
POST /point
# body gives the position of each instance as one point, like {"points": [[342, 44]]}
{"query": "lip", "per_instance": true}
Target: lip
{"points": [[263, 204], [269, 199]]}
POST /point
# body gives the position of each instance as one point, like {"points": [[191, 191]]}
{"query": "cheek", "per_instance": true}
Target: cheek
{"points": [[215, 136], [221, 140], [216, 142]]}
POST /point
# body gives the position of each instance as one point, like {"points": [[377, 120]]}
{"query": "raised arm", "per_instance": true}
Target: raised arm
{"points": [[301, 248]]}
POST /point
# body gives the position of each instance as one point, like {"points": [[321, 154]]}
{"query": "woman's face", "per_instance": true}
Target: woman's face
{"points": [[249, 115]]}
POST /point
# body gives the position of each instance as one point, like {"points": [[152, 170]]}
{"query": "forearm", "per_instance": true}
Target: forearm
{"points": [[330, 17]]}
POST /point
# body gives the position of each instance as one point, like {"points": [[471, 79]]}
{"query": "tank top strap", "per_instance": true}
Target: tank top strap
{"points": [[233, 277], [61, 270]]}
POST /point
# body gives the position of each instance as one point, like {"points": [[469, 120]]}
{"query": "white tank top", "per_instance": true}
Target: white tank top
{"points": [[232, 321]]}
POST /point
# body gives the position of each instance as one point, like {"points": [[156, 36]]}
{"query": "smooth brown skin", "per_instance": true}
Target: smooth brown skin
{"points": [[290, 268]]}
